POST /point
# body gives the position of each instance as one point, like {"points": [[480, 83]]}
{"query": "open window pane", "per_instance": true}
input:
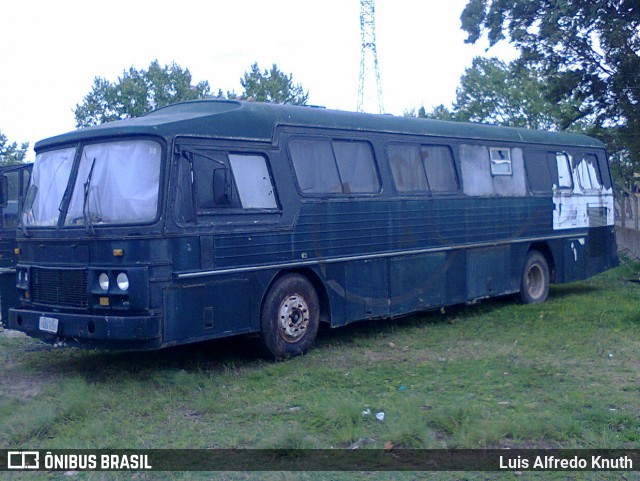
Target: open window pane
{"points": [[214, 183], [500, 161]]}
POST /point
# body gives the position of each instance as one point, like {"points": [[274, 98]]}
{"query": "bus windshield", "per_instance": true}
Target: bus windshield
{"points": [[116, 183]]}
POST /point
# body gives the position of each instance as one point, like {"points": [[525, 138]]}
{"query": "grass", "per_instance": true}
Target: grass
{"points": [[497, 374]]}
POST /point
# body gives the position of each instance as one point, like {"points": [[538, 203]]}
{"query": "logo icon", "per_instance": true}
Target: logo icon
{"points": [[23, 460]]}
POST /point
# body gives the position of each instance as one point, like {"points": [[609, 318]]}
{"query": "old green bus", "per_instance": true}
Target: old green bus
{"points": [[215, 218]]}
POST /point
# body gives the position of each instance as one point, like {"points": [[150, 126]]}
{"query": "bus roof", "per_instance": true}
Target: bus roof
{"points": [[257, 121]]}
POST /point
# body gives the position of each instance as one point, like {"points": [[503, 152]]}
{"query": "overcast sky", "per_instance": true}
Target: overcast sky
{"points": [[52, 50]]}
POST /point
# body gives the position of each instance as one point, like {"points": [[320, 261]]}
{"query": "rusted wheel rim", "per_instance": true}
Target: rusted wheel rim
{"points": [[535, 281], [293, 318]]}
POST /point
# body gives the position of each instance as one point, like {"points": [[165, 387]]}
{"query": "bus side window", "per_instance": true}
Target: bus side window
{"points": [[357, 167], [439, 167], [589, 173], [334, 166], [184, 207], [539, 173], [500, 159], [214, 186], [253, 182], [604, 171], [10, 211], [565, 180], [407, 168], [315, 166]]}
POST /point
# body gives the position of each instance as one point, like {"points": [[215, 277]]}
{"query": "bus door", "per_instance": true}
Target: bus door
{"points": [[225, 209]]}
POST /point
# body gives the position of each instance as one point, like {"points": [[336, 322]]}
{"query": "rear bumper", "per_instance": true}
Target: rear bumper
{"points": [[136, 332]]}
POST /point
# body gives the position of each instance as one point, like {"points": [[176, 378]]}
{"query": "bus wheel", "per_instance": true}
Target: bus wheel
{"points": [[290, 316], [534, 285]]}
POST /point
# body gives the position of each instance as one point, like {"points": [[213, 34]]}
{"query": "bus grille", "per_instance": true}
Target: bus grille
{"points": [[60, 287]]}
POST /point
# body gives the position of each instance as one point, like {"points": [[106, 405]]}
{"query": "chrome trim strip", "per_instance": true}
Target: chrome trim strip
{"points": [[333, 260]]}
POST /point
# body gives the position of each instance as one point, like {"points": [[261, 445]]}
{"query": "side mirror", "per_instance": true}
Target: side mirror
{"points": [[4, 191], [221, 187]]}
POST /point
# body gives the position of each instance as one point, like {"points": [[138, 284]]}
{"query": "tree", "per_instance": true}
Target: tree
{"points": [[272, 86], [136, 93], [438, 113], [587, 51], [10, 153], [495, 92]]}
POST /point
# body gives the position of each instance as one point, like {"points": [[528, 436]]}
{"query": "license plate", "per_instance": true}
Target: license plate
{"points": [[49, 324]]}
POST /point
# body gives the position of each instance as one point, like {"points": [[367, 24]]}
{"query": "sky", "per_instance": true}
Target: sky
{"points": [[51, 51]]}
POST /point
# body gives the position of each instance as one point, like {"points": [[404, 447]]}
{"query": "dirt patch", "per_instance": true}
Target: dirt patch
{"points": [[18, 382], [20, 388]]}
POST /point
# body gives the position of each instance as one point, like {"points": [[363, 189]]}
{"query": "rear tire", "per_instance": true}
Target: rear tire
{"points": [[534, 283], [290, 317]]}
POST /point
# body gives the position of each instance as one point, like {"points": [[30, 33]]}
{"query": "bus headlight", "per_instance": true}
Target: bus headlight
{"points": [[103, 281], [23, 278], [123, 281]]}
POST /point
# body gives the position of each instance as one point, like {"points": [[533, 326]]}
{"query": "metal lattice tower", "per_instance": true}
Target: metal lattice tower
{"points": [[368, 101]]}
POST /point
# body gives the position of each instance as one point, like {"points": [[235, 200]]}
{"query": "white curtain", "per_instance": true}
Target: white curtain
{"points": [[124, 183]]}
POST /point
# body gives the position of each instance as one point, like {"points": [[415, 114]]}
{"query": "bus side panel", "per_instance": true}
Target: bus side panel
{"points": [[328, 280], [489, 272], [456, 268], [417, 282], [601, 250], [367, 289], [206, 310], [574, 256], [583, 256]]}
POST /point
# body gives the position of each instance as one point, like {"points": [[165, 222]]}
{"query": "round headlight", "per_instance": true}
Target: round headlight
{"points": [[103, 280], [123, 281]]}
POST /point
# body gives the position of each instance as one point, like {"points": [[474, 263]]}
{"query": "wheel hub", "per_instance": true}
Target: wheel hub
{"points": [[535, 283], [293, 318]]}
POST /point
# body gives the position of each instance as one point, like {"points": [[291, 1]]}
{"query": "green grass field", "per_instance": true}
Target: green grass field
{"points": [[496, 374]]}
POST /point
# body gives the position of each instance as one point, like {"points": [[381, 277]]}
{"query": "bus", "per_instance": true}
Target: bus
{"points": [[216, 218], [13, 186]]}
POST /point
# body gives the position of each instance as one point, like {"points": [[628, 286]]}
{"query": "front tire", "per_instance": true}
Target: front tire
{"points": [[290, 316], [534, 284]]}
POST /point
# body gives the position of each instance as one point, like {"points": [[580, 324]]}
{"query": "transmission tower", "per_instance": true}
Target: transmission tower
{"points": [[368, 101]]}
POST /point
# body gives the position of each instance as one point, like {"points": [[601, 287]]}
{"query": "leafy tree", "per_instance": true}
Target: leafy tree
{"points": [[587, 51], [10, 153], [495, 92], [136, 93], [439, 113], [272, 86]]}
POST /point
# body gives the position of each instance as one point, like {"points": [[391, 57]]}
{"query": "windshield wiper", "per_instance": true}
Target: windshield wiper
{"points": [[86, 214]]}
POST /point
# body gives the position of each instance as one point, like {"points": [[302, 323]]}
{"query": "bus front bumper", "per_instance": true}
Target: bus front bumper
{"points": [[108, 331]]}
